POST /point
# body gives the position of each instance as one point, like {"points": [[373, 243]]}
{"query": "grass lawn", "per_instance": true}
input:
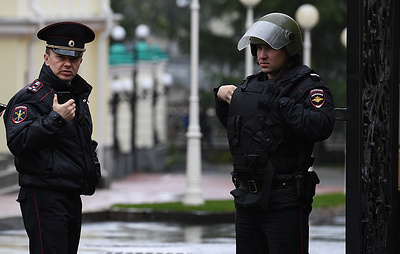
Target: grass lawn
{"points": [[320, 201]]}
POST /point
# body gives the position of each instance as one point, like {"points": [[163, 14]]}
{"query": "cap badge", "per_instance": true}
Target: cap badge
{"points": [[71, 43]]}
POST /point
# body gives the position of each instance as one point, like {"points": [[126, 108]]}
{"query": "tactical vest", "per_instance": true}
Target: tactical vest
{"points": [[255, 126]]}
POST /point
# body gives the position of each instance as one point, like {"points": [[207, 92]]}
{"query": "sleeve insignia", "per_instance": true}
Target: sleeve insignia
{"points": [[35, 86], [317, 97], [19, 114]]}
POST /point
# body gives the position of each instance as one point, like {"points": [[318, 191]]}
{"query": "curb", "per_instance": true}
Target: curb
{"points": [[195, 217], [317, 216], [148, 215]]}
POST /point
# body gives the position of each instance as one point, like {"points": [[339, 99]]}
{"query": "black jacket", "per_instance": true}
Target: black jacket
{"points": [[277, 121], [297, 107], [49, 152]]}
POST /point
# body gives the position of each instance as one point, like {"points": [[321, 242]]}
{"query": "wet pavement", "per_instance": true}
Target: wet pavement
{"points": [[172, 238], [138, 237]]}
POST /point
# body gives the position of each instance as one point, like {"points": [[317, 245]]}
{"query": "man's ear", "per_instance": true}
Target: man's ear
{"points": [[46, 59]]}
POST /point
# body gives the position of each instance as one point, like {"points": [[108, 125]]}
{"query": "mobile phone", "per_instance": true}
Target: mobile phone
{"points": [[2, 108], [63, 97]]}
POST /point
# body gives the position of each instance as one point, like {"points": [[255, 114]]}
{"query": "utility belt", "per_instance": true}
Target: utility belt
{"points": [[303, 183], [248, 172], [255, 186]]}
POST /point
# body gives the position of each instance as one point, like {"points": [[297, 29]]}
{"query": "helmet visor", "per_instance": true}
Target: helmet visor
{"points": [[273, 35]]}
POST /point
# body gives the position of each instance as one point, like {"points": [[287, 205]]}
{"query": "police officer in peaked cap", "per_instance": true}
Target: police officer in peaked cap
{"points": [[273, 120], [49, 131]]}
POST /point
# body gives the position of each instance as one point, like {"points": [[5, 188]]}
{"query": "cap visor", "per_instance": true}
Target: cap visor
{"points": [[66, 52]]}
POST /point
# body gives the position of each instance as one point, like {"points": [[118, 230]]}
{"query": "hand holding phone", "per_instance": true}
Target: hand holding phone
{"points": [[66, 111]]}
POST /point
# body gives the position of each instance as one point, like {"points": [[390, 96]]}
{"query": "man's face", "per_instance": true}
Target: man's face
{"points": [[64, 67], [271, 61]]}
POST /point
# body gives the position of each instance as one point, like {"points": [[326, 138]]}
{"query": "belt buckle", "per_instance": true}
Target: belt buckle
{"points": [[252, 186]]}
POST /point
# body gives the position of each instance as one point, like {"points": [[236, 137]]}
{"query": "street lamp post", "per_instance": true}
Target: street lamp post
{"points": [[118, 34], [249, 21], [193, 195], [307, 16], [120, 94], [142, 31]]}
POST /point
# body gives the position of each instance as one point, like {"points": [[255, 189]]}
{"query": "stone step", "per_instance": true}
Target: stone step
{"points": [[8, 181], [8, 175]]}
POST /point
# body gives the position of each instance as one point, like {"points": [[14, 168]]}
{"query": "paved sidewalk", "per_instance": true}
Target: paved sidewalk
{"points": [[160, 237], [167, 187]]}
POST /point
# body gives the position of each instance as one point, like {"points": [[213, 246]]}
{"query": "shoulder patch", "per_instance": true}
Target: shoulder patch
{"points": [[19, 114], [317, 97], [35, 86]]}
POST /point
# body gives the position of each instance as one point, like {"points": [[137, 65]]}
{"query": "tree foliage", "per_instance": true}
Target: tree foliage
{"points": [[219, 57]]}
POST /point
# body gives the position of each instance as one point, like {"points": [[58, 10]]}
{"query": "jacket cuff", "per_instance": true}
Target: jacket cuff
{"points": [[60, 121]]}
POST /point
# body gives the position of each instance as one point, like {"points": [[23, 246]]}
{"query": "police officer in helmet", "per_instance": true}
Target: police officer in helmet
{"points": [[273, 120]]}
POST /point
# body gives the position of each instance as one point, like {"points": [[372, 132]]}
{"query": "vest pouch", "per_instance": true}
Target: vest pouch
{"points": [[311, 181], [266, 134], [273, 130], [233, 130], [253, 126], [253, 130], [305, 185], [244, 198], [299, 181]]}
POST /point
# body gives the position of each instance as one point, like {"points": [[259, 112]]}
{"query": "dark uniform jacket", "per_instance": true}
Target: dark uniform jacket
{"points": [[272, 127], [49, 152]]}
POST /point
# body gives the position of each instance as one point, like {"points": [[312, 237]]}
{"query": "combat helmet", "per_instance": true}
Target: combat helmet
{"points": [[277, 30]]}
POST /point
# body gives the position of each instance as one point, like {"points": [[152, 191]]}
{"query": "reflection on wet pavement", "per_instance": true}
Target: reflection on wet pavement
{"points": [[167, 238]]}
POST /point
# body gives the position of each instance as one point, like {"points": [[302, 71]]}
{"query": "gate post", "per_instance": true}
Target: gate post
{"points": [[372, 143]]}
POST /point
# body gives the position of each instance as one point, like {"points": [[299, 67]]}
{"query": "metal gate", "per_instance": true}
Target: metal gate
{"points": [[372, 212]]}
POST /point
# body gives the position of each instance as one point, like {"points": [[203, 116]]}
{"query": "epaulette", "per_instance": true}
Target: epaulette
{"points": [[35, 86], [315, 76]]}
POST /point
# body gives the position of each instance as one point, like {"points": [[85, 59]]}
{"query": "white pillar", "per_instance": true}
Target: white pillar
{"points": [[307, 48], [144, 105], [193, 195], [249, 58]]}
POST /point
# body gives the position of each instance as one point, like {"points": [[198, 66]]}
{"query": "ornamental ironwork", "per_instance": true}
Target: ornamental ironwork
{"points": [[376, 176]]}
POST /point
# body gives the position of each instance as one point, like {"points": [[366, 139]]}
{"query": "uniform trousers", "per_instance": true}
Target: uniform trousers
{"points": [[283, 231], [52, 220]]}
